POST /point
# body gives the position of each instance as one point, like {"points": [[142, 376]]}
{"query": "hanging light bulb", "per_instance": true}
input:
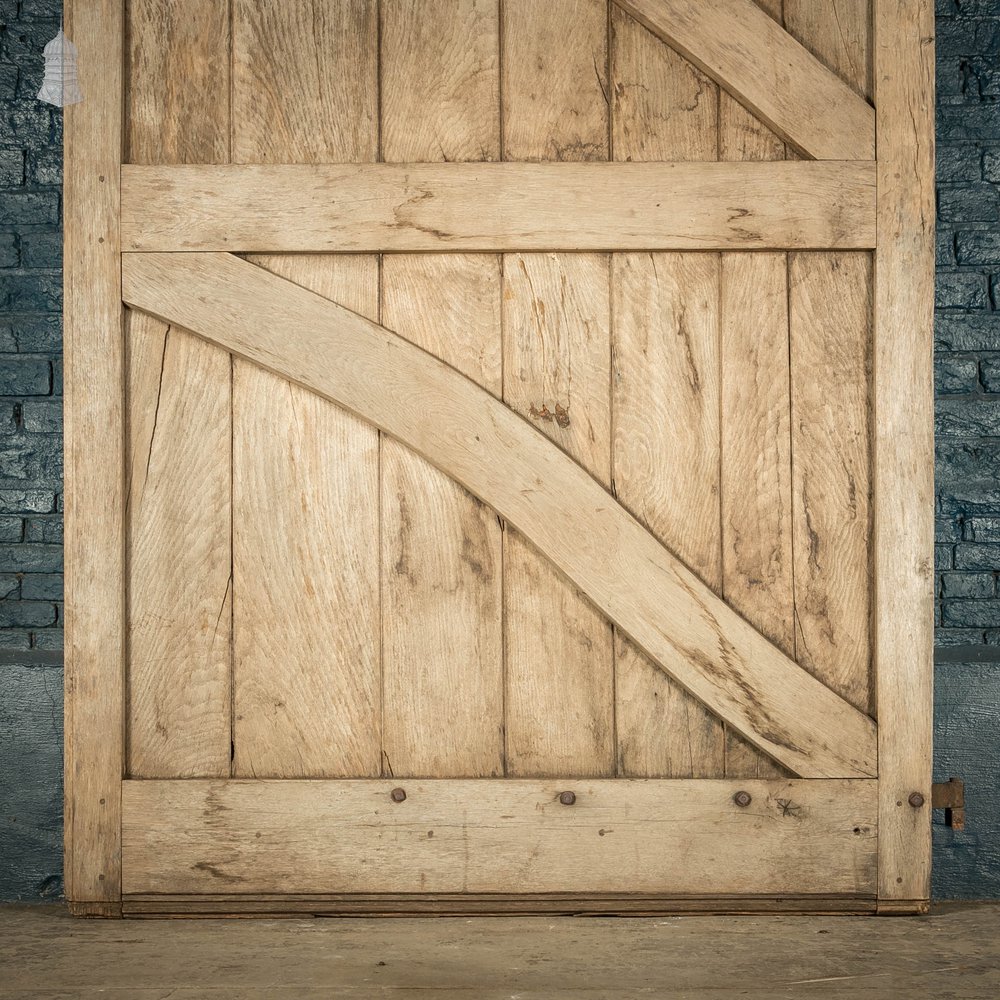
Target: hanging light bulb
{"points": [[60, 85]]}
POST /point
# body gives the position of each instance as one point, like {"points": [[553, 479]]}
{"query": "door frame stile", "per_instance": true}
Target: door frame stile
{"points": [[94, 464], [903, 447]]}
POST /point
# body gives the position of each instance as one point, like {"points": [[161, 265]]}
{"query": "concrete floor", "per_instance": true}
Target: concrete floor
{"points": [[953, 953]]}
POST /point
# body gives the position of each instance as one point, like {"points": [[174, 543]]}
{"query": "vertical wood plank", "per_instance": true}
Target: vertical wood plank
{"points": [[560, 653], [665, 395], [839, 34], [756, 462], [95, 481], [830, 338], [666, 447], [179, 608], [178, 93], [305, 84], [830, 329], [305, 473], [664, 108], [441, 548], [555, 87], [904, 441]]}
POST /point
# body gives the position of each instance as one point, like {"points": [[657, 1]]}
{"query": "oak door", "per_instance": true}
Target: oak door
{"points": [[505, 488]]}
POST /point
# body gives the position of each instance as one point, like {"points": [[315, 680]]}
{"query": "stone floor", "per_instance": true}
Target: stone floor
{"points": [[952, 953]]}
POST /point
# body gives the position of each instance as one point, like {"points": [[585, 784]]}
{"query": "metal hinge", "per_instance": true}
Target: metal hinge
{"points": [[950, 796]]}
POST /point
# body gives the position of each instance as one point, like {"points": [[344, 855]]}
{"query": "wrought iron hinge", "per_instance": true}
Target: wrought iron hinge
{"points": [[950, 796]]}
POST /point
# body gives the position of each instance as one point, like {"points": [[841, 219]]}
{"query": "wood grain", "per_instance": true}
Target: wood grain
{"points": [[830, 315], [306, 684], [903, 441], [838, 34], [412, 208], [440, 80], [666, 396], [499, 836], [556, 323], [305, 82], [180, 519], [442, 563], [306, 626], [94, 550], [473, 437], [554, 82], [180, 560], [666, 447], [177, 99], [745, 51], [560, 692], [756, 462]]}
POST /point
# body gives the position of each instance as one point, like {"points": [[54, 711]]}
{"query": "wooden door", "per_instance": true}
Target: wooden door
{"points": [[507, 485]]}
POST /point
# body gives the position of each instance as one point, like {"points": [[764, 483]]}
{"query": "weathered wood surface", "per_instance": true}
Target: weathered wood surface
{"points": [[423, 207], [749, 54], [556, 335], [95, 475], [442, 564], [499, 836], [179, 593], [306, 671], [904, 441], [626, 573]]}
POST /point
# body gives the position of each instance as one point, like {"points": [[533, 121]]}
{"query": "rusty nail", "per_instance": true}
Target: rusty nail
{"points": [[916, 800], [567, 798], [743, 799], [398, 795]]}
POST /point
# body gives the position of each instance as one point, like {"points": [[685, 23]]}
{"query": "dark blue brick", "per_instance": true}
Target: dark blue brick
{"points": [[18, 208], [978, 247], [968, 123], [971, 614], [990, 374], [956, 418], [32, 291], [954, 375], [944, 557], [42, 250], [960, 164], [27, 123], [47, 587], [982, 529], [948, 637], [27, 558], [975, 556], [27, 501], [25, 40], [11, 639], [961, 290], [25, 377], [953, 585], [45, 167], [27, 614], [973, 203], [967, 333], [11, 529], [10, 254], [37, 334], [43, 530], [11, 169], [50, 638], [42, 416]]}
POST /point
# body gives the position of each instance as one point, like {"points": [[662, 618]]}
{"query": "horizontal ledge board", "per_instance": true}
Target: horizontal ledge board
{"points": [[663, 837], [424, 207], [485, 904]]}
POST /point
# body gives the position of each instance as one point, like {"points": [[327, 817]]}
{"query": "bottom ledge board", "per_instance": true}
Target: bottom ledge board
{"points": [[659, 839], [621, 904]]}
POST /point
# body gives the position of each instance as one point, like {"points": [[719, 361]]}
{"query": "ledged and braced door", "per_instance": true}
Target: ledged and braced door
{"points": [[503, 494]]}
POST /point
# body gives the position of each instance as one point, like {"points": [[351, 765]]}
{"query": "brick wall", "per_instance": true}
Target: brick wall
{"points": [[967, 713], [30, 339]]}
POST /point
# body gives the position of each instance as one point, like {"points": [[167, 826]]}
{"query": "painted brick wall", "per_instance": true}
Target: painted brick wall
{"points": [[30, 460], [967, 731]]}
